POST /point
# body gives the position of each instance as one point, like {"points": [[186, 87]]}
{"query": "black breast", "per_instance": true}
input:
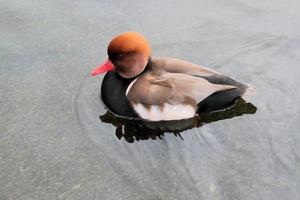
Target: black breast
{"points": [[113, 91]]}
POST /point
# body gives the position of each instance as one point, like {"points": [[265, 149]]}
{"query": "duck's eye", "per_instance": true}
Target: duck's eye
{"points": [[119, 56]]}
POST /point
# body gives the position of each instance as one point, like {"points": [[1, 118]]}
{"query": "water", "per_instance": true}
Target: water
{"points": [[54, 146]]}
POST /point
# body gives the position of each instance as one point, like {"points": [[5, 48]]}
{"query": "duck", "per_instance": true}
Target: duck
{"points": [[137, 85]]}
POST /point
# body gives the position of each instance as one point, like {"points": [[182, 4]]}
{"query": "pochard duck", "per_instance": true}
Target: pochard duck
{"points": [[137, 85]]}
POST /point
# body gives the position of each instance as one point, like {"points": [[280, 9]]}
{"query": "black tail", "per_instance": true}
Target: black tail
{"points": [[222, 99]]}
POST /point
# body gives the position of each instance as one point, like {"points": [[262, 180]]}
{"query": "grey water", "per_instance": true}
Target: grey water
{"points": [[54, 146]]}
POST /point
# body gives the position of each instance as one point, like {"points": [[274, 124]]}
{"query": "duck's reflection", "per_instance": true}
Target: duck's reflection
{"points": [[136, 130]]}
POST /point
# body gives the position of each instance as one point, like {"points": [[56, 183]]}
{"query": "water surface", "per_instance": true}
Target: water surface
{"points": [[53, 145]]}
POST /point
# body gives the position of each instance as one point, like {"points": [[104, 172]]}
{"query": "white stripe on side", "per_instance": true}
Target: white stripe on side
{"points": [[130, 85]]}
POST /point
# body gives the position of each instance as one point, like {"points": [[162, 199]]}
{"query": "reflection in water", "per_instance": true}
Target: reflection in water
{"points": [[135, 130]]}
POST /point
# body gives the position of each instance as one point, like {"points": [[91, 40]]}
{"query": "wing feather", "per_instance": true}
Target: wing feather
{"points": [[171, 88], [175, 65]]}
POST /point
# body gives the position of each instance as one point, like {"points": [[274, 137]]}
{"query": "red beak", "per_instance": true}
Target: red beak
{"points": [[105, 67]]}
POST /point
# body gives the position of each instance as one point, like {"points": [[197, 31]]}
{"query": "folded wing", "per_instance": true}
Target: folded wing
{"points": [[170, 96]]}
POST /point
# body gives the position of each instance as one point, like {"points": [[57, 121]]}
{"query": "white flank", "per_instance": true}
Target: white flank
{"points": [[169, 112]]}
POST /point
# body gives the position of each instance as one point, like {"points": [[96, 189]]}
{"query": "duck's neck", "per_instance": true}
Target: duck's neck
{"points": [[147, 68]]}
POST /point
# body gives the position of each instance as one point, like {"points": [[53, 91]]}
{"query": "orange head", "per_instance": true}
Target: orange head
{"points": [[128, 53]]}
